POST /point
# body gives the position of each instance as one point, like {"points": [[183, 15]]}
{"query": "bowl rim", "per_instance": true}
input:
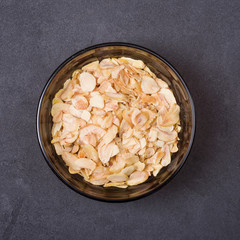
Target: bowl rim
{"points": [[108, 44]]}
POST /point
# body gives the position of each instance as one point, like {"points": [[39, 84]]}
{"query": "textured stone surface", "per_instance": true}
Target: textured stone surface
{"points": [[201, 39]]}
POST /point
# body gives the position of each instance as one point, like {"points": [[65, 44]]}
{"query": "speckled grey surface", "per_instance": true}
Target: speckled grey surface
{"points": [[201, 39]]}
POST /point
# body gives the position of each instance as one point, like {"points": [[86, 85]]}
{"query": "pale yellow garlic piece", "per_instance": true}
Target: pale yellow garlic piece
{"points": [[116, 184], [106, 87], [90, 152], [161, 83], [58, 148], [166, 129], [167, 156], [143, 142], [149, 152], [149, 71], [88, 130], [115, 150], [87, 81], [78, 163], [159, 143], [116, 71], [91, 67], [128, 170], [75, 148], [56, 127], [107, 63], [135, 63], [107, 121], [75, 112], [137, 178], [167, 136], [109, 136], [155, 159], [59, 107], [118, 177], [153, 135], [105, 152], [116, 121], [149, 85], [171, 117], [174, 148], [156, 170], [131, 159], [67, 92], [139, 166], [117, 96], [99, 181], [97, 101], [118, 164], [86, 115], [142, 152], [168, 94], [70, 123], [79, 102]]}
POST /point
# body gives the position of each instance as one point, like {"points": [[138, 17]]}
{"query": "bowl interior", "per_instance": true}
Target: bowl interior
{"points": [[162, 70]]}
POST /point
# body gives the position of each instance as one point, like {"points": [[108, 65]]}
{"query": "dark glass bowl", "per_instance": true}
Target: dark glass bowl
{"points": [[162, 69]]}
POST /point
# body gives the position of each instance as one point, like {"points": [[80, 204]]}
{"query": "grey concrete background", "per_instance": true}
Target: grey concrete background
{"points": [[201, 39]]}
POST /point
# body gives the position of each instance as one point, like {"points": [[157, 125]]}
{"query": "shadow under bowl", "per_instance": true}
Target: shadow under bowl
{"points": [[162, 69]]}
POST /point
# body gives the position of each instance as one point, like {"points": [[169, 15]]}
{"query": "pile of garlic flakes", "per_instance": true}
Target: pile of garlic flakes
{"points": [[115, 123]]}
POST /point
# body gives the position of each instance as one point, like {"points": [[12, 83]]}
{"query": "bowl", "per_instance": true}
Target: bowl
{"points": [[162, 69]]}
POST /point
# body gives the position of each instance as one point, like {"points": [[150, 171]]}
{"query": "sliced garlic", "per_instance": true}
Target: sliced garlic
{"points": [[79, 102], [118, 177], [86, 115], [167, 136], [97, 101], [128, 170], [149, 85], [167, 93], [167, 156], [171, 117], [139, 166], [134, 63], [58, 148], [157, 169], [153, 134], [115, 151], [87, 81], [91, 67], [59, 107], [77, 163], [137, 178], [161, 83], [107, 63], [56, 127], [90, 152], [88, 130], [143, 142], [106, 151], [75, 112]]}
